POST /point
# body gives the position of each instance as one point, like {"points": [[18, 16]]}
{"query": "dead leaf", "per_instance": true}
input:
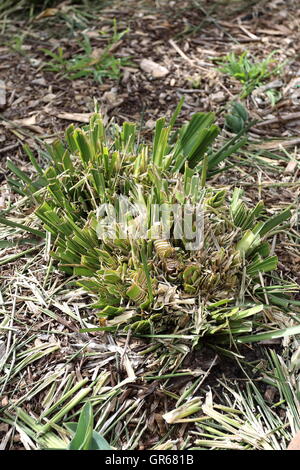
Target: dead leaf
{"points": [[46, 13], [154, 69]]}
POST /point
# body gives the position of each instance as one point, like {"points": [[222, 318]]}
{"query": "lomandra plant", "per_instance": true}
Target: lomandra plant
{"points": [[73, 436], [110, 206]]}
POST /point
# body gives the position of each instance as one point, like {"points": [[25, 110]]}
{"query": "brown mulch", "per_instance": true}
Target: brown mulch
{"points": [[169, 36]]}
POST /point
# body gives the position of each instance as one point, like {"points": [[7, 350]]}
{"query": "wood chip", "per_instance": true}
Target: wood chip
{"points": [[29, 122], [112, 98], [218, 97], [49, 97], [78, 117], [5, 401], [154, 69], [39, 81], [291, 167]]}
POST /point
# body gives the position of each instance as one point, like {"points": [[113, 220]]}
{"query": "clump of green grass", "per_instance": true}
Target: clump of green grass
{"points": [[84, 64], [251, 74], [157, 285]]}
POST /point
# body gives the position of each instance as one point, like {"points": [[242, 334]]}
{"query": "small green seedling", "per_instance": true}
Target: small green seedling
{"points": [[84, 437], [84, 64], [250, 74]]}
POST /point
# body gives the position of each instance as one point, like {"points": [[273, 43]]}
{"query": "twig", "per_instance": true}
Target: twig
{"points": [[9, 147], [287, 117], [187, 59], [180, 52], [248, 33]]}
